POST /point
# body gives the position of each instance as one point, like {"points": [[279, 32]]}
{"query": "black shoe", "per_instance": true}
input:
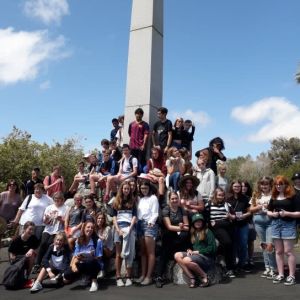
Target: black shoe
{"points": [[159, 282], [247, 268], [35, 269]]}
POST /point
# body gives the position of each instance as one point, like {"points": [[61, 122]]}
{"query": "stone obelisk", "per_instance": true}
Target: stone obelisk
{"points": [[145, 62]]}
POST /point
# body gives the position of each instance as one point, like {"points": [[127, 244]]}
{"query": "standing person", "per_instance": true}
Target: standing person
{"points": [[119, 135], [54, 218], [259, 203], [283, 209], [10, 200], [240, 204], [113, 133], [296, 182], [221, 180], [32, 209], [147, 230], [124, 219], [55, 262], [162, 131], [175, 234], [178, 133], [73, 222], [24, 245], [175, 168], [55, 182], [207, 180], [87, 256], [28, 186], [220, 216], [198, 261], [190, 198], [188, 137], [138, 132]]}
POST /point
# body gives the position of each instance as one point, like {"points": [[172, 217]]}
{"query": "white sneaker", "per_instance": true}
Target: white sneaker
{"points": [[265, 273], [94, 286], [140, 279], [120, 282], [128, 282], [37, 286], [100, 274], [146, 281]]}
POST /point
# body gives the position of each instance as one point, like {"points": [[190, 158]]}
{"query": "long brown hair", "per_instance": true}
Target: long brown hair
{"points": [[122, 200], [214, 200], [257, 193], [83, 240], [199, 234], [288, 191]]}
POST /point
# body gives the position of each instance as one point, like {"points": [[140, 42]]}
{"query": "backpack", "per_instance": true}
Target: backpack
{"points": [[14, 277], [131, 164]]}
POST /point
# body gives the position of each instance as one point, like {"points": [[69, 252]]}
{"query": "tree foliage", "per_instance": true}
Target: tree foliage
{"points": [[19, 154]]}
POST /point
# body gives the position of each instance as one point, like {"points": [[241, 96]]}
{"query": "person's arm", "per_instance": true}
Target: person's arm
{"points": [[169, 141], [17, 217], [119, 231], [181, 165], [146, 135], [199, 206], [212, 184], [209, 247], [170, 227], [154, 210]]}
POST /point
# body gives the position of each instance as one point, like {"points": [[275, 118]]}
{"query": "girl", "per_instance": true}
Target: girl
{"points": [[262, 222], [147, 229], [55, 262], [220, 216], [124, 219], [91, 209], [197, 261], [174, 236], [283, 210], [104, 233], [87, 256]]}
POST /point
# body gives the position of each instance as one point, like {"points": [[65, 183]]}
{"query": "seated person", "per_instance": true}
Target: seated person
{"points": [[79, 179], [54, 263]]}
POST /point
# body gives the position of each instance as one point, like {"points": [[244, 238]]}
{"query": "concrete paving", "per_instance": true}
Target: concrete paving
{"points": [[250, 286]]}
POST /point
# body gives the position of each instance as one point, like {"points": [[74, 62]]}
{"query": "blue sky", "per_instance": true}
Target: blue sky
{"points": [[228, 65]]}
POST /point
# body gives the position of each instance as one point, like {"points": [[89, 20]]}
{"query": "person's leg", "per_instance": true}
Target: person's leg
{"points": [[42, 275], [270, 253], [150, 248], [243, 244], [279, 248], [43, 247], [261, 230], [181, 259], [118, 260], [143, 251], [288, 246], [93, 179], [161, 185]]}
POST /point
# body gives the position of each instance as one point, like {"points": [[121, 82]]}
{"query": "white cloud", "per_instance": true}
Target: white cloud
{"points": [[281, 118], [45, 85], [200, 118], [47, 11], [25, 52]]}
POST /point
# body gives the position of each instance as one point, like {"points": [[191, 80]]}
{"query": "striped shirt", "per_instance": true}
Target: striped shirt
{"points": [[219, 212]]}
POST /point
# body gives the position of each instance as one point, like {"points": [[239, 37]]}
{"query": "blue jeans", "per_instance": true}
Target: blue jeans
{"points": [[263, 228], [241, 243], [173, 181]]}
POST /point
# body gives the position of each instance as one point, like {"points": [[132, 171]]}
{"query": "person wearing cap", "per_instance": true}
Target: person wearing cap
{"points": [[198, 260], [190, 198], [296, 181]]}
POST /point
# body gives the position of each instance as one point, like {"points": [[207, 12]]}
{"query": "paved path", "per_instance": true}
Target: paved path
{"points": [[251, 286]]}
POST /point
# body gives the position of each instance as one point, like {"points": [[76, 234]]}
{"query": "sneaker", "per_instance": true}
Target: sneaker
{"points": [[120, 282], [128, 282], [28, 284], [278, 279], [230, 274], [272, 275], [100, 274], [140, 279], [94, 286], [159, 282], [290, 280], [146, 281], [37, 286], [246, 268], [265, 274]]}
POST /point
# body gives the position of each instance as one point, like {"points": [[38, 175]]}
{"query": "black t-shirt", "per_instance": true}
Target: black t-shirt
{"points": [[162, 129], [240, 205], [28, 186], [175, 217], [20, 247], [288, 204]]}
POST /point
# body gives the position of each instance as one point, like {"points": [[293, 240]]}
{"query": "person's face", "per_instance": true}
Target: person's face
{"points": [[217, 145], [29, 231], [220, 196], [132, 186], [57, 172], [244, 188], [138, 117], [59, 242], [105, 157], [236, 188], [160, 115], [126, 151], [144, 190], [115, 124], [178, 122], [81, 167], [176, 153], [187, 125], [89, 203], [34, 175], [12, 187], [58, 201], [126, 189], [174, 200], [100, 220], [78, 201], [89, 229], [189, 184], [38, 192], [93, 159], [265, 187], [223, 171], [198, 224], [155, 154], [280, 186], [297, 182], [201, 163]]}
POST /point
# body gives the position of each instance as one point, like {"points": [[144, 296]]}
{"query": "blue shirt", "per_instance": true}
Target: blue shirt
{"points": [[89, 250]]}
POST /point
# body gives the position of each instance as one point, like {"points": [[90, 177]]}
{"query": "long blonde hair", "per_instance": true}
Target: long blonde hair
{"points": [[198, 234]]}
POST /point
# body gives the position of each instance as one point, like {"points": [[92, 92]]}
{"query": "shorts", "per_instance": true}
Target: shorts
{"points": [[285, 230], [204, 262], [144, 230], [117, 237]]}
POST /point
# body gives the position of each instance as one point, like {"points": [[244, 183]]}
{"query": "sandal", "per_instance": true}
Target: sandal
{"points": [[192, 282], [205, 283]]}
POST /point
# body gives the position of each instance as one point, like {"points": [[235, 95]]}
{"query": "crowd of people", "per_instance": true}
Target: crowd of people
{"points": [[121, 203]]}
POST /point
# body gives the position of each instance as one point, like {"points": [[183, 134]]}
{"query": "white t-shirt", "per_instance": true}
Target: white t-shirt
{"points": [[147, 209], [263, 200], [53, 212], [126, 168], [35, 209]]}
